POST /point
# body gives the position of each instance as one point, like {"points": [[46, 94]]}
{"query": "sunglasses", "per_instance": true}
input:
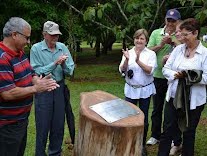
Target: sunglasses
{"points": [[26, 37]]}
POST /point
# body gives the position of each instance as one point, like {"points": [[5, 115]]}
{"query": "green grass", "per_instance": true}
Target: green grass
{"points": [[101, 73]]}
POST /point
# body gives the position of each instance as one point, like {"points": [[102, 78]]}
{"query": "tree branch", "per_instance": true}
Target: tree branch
{"points": [[156, 14], [71, 6], [179, 8], [93, 21], [79, 12], [121, 10], [107, 16]]}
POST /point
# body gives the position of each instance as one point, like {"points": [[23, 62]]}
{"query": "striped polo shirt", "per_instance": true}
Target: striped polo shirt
{"points": [[15, 71]]}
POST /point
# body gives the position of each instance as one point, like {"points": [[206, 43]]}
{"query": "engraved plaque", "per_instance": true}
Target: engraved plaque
{"points": [[114, 110]]}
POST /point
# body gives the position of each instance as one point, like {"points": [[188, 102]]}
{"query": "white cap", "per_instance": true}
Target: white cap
{"points": [[51, 28]]}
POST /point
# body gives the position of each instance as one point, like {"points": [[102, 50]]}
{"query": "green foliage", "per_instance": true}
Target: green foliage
{"points": [[104, 7], [99, 13], [89, 14], [202, 16], [95, 18], [131, 7], [36, 12]]}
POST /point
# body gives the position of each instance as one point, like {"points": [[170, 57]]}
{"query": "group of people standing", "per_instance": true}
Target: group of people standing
{"points": [[170, 68], [42, 77]]}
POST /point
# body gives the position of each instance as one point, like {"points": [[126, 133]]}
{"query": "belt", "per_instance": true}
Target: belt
{"points": [[138, 86]]}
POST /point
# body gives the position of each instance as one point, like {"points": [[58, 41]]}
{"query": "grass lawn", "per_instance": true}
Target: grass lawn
{"points": [[93, 73]]}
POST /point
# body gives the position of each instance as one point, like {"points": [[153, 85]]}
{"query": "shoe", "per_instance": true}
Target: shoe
{"points": [[152, 141], [175, 150]]}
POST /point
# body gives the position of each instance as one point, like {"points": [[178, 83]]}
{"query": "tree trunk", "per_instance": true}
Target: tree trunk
{"points": [[105, 50], [97, 46], [78, 46], [107, 43], [124, 43], [97, 137]]}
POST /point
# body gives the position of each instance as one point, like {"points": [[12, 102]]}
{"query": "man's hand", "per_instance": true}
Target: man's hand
{"points": [[45, 84], [165, 58], [61, 59], [166, 40]]}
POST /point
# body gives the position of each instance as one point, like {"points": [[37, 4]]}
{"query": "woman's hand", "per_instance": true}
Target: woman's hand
{"points": [[179, 75], [126, 53], [138, 54]]}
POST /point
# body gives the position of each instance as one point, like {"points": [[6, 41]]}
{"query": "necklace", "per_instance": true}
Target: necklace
{"points": [[188, 51]]}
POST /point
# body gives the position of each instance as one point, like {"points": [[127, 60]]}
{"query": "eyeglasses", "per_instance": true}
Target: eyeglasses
{"points": [[26, 37], [186, 34]]}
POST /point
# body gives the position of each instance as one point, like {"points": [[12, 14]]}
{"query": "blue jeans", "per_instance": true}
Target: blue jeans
{"points": [[13, 138], [144, 106], [49, 116]]}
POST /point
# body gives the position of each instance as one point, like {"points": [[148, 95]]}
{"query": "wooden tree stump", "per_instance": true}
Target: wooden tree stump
{"points": [[96, 137]]}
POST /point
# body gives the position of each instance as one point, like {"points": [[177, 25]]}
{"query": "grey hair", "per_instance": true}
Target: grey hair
{"points": [[15, 24]]}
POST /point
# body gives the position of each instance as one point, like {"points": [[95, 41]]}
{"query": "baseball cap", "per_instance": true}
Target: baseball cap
{"points": [[173, 13], [51, 28]]}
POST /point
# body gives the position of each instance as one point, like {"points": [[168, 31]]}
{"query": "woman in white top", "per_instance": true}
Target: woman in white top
{"points": [[138, 65], [191, 55]]}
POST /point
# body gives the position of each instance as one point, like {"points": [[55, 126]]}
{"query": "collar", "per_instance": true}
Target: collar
{"points": [[45, 47], [198, 49], [11, 52], [162, 32], [143, 50]]}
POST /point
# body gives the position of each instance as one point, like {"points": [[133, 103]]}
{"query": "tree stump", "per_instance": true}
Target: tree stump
{"points": [[96, 137]]}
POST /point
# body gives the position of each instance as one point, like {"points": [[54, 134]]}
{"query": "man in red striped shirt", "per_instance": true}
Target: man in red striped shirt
{"points": [[18, 83]]}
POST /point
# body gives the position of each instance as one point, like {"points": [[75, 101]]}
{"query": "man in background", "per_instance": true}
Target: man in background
{"points": [[161, 41]]}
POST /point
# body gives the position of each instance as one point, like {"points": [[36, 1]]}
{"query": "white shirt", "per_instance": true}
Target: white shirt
{"points": [[148, 57], [186, 64], [178, 62]]}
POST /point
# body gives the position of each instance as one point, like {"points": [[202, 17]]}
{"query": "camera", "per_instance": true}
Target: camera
{"points": [[205, 38], [130, 73]]}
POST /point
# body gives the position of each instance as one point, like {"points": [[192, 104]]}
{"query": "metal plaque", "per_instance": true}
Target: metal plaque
{"points": [[114, 110]]}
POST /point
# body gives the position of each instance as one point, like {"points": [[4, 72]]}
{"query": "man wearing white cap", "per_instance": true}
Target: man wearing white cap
{"points": [[50, 57]]}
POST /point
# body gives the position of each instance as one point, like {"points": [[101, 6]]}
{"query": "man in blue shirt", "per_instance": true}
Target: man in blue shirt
{"points": [[50, 57]]}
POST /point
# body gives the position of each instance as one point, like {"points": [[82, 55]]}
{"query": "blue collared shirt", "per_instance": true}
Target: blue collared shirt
{"points": [[42, 60]]}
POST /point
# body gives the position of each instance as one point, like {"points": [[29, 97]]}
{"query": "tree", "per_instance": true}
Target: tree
{"points": [[105, 20]]}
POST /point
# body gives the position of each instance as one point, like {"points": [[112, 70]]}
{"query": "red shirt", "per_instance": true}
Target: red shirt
{"points": [[15, 71]]}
